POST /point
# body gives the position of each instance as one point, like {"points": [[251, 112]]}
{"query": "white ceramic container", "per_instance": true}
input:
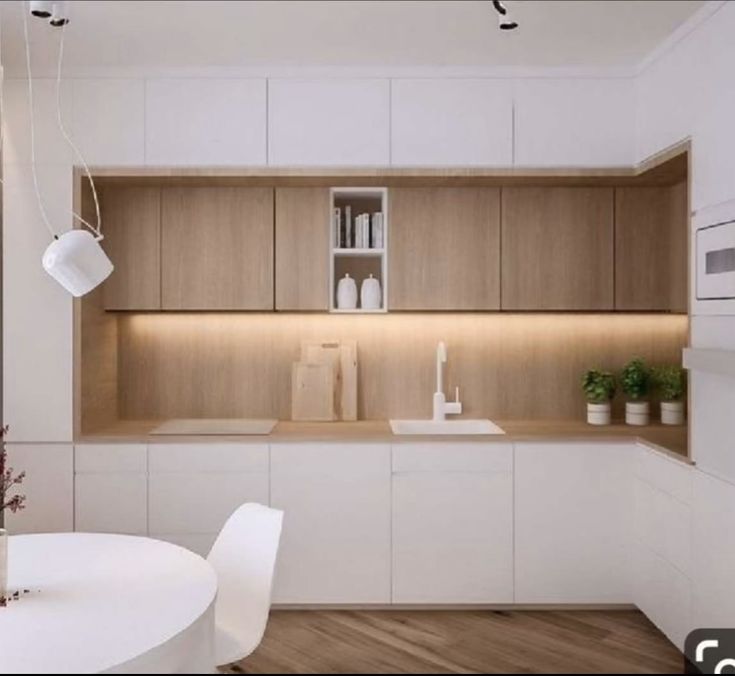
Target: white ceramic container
{"points": [[599, 414], [637, 413], [672, 412], [371, 295], [346, 293]]}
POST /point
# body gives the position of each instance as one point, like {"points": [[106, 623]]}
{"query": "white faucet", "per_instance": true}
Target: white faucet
{"points": [[442, 408]]}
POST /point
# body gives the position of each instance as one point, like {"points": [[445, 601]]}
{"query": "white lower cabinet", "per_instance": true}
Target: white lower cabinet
{"points": [[663, 594], [453, 523], [335, 546], [713, 552], [48, 487], [661, 542], [110, 488], [573, 519], [193, 488]]}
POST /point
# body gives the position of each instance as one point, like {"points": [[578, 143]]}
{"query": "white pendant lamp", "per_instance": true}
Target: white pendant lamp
{"points": [[75, 258], [77, 262]]}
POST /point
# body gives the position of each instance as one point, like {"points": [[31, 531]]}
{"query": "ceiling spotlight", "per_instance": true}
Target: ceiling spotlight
{"points": [[59, 14], [41, 8], [505, 22]]}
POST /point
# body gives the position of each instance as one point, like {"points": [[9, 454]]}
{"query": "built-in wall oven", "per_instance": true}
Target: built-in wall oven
{"points": [[715, 261]]}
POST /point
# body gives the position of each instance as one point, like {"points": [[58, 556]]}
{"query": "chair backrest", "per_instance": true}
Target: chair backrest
{"points": [[244, 558]]}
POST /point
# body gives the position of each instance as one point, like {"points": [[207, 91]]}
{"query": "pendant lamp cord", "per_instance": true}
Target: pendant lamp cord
{"points": [[60, 121], [41, 207], [67, 137]]}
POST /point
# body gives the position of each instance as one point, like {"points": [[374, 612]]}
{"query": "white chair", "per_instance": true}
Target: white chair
{"points": [[244, 558]]}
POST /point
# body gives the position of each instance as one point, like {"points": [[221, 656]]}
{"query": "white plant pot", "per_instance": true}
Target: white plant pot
{"points": [[598, 414], [637, 413], [672, 412]]}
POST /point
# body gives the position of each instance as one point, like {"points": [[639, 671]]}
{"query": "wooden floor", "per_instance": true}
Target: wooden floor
{"points": [[442, 642]]}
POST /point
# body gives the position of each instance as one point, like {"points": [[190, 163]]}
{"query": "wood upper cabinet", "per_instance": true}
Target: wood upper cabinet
{"points": [[302, 249], [132, 239], [651, 227], [444, 249], [217, 248], [557, 248]]}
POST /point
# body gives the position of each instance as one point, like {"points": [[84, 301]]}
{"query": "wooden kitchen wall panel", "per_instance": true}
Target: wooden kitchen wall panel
{"points": [[444, 249], [509, 366], [217, 248], [651, 233], [302, 248], [132, 240], [557, 251]]}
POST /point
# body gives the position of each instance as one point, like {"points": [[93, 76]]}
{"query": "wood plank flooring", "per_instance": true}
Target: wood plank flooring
{"points": [[461, 642]]}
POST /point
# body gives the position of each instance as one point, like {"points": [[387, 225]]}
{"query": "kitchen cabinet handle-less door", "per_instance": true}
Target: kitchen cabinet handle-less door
{"points": [[302, 248], [444, 249], [651, 230], [217, 248], [557, 248], [132, 230]]}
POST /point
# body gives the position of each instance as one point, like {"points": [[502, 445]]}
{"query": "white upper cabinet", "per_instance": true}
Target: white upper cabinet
{"points": [[574, 122], [108, 120], [206, 121], [452, 122], [328, 122], [573, 522]]}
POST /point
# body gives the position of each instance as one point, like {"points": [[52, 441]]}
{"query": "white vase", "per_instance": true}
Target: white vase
{"points": [[3, 564], [598, 414], [637, 413], [371, 295], [672, 412], [346, 293]]}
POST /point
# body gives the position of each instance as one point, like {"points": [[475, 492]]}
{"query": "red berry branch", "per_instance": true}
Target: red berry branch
{"points": [[8, 481]]}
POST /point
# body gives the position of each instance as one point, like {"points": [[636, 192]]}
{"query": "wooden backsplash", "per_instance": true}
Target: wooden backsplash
{"points": [[525, 366]]}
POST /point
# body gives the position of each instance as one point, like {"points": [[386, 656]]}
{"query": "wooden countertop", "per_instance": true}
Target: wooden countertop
{"points": [[668, 439]]}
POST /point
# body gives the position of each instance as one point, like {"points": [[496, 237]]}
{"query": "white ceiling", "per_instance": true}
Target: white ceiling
{"points": [[131, 34]]}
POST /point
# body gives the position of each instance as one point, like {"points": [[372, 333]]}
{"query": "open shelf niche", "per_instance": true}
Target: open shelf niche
{"points": [[359, 257]]}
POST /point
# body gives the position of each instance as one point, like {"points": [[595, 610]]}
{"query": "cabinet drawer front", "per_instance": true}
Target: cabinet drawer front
{"points": [[453, 457], [187, 458], [101, 458], [463, 551], [335, 546], [188, 503], [667, 474], [663, 525], [111, 503], [664, 595]]}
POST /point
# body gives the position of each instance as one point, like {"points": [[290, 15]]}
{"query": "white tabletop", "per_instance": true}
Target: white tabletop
{"points": [[96, 602]]}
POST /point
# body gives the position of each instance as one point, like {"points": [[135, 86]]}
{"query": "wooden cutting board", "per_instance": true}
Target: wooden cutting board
{"points": [[312, 392], [342, 357]]}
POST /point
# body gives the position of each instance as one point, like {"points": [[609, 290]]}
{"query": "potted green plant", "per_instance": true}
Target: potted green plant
{"points": [[635, 380], [599, 388], [670, 382]]}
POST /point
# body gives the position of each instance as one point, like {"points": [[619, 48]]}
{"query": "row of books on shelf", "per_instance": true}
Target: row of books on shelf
{"points": [[364, 231]]}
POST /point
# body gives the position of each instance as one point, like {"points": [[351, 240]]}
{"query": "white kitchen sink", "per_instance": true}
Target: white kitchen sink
{"points": [[482, 426]]}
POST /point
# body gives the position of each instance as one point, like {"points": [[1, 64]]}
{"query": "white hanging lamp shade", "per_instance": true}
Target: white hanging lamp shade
{"points": [[77, 262]]}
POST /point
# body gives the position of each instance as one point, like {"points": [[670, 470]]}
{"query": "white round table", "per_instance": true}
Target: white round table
{"points": [[106, 603]]}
